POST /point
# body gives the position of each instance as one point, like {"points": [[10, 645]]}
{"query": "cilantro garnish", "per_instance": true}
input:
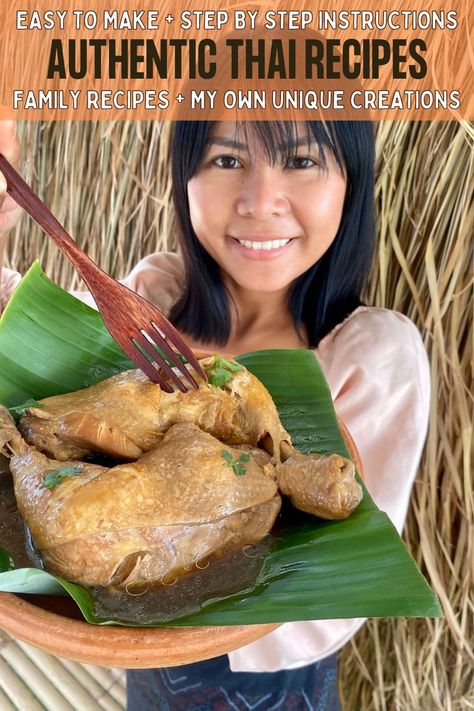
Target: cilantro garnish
{"points": [[6, 561], [56, 476], [221, 371], [17, 411], [236, 464]]}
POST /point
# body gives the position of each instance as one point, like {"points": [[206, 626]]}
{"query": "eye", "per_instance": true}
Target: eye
{"points": [[301, 162], [227, 162]]}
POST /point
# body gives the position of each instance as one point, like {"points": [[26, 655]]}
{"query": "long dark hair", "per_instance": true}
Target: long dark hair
{"points": [[327, 292]]}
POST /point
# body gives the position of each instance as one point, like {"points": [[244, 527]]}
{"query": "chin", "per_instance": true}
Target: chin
{"points": [[262, 285]]}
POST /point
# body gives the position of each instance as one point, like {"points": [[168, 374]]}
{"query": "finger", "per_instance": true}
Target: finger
{"points": [[9, 204], [3, 190], [9, 143], [8, 220]]}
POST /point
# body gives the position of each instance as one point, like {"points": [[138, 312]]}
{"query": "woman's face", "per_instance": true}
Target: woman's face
{"points": [[264, 224]]}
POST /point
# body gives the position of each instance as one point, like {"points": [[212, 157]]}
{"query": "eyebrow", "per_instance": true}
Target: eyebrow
{"points": [[227, 142], [231, 143]]}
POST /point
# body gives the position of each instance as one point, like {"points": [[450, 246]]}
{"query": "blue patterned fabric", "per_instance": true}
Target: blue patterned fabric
{"points": [[211, 686]]}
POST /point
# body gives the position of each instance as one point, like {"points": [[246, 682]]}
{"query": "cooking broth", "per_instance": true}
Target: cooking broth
{"points": [[12, 528], [229, 574]]}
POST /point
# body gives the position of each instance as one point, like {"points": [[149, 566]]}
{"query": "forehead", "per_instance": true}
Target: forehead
{"points": [[271, 137]]}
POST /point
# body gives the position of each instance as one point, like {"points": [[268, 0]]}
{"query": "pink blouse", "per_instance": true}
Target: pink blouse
{"points": [[377, 370]]}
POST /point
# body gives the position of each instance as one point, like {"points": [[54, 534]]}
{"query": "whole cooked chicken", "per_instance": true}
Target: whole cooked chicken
{"points": [[200, 474]]}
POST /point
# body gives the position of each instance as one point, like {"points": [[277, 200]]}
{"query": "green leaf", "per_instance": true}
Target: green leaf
{"points": [[219, 377], [57, 476], [6, 561], [15, 412], [236, 464], [51, 343], [221, 371], [75, 349], [227, 456], [233, 367]]}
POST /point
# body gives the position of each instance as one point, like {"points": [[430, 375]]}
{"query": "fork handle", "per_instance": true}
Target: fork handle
{"points": [[24, 196]]}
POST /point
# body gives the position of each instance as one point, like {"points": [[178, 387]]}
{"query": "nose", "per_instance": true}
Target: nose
{"points": [[262, 193]]}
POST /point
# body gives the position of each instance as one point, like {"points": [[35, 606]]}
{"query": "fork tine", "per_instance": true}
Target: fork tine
{"points": [[161, 341], [152, 352], [149, 369], [181, 346]]}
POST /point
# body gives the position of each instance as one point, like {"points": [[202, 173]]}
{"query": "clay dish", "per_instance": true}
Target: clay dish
{"points": [[55, 624]]}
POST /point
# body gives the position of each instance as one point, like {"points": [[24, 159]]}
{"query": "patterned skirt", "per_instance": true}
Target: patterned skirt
{"points": [[211, 686]]}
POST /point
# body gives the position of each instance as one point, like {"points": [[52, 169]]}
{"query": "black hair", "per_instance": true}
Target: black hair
{"points": [[328, 291]]}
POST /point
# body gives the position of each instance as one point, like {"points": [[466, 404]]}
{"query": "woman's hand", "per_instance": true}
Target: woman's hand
{"points": [[9, 210]]}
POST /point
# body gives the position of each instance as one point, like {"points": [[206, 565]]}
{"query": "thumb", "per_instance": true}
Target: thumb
{"points": [[3, 189]]}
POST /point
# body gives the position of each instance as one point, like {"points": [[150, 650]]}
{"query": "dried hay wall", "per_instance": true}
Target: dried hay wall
{"points": [[109, 184]]}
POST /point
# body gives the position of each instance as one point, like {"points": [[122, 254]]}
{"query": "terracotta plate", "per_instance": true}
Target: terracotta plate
{"points": [[55, 624]]}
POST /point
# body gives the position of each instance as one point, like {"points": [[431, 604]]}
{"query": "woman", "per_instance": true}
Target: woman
{"points": [[276, 229]]}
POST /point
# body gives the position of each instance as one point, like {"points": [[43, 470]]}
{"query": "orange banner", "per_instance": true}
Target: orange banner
{"points": [[213, 60]]}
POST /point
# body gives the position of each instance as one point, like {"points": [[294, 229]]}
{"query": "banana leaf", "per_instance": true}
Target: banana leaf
{"points": [[51, 343]]}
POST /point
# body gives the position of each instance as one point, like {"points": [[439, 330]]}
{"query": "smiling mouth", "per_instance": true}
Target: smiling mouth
{"points": [[266, 245]]}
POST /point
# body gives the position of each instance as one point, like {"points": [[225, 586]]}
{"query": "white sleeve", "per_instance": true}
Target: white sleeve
{"points": [[380, 381], [378, 373]]}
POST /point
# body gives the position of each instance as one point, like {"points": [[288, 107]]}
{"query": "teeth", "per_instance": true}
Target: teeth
{"points": [[273, 244]]}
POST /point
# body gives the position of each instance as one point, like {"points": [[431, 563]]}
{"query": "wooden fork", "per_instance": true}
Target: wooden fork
{"points": [[133, 322]]}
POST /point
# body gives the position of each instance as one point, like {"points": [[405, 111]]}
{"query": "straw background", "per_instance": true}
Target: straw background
{"points": [[109, 185]]}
